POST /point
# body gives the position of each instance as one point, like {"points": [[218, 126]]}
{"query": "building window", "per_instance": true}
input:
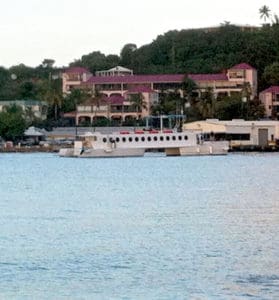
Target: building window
{"points": [[236, 74], [237, 136], [130, 139], [104, 140], [161, 138], [167, 138], [180, 137], [143, 138], [149, 139], [117, 140], [185, 137], [173, 137], [136, 139], [123, 139]]}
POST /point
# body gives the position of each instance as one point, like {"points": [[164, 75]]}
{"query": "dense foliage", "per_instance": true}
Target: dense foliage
{"points": [[12, 123], [185, 51]]}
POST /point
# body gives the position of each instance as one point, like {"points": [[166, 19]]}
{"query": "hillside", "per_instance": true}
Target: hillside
{"points": [[195, 51]]}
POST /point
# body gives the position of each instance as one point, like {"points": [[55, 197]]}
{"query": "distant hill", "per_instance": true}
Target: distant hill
{"points": [[204, 50]]}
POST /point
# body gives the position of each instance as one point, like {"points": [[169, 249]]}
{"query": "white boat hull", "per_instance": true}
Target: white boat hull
{"points": [[207, 148], [91, 153], [135, 144]]}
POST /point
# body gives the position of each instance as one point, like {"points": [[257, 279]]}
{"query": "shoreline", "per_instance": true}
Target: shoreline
{"points": [[30, 150], [37, 149]]}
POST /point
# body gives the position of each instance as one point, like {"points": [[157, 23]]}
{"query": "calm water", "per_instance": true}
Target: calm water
{"points": [[139, 228]]}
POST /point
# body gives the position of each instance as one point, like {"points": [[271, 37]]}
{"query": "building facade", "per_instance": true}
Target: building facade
{"points": [[270, 100], [37, 108], [239, 132], [121, 84]]}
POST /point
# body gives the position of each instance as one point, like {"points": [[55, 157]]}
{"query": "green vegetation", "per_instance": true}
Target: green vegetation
{"points": [[185, 51], [12, 123]]}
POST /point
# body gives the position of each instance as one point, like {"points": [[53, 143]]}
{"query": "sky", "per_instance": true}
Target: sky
{"points": [[64, 30]]}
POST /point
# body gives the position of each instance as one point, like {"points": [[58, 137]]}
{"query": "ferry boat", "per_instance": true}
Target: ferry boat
{"points": [[136, 143]]}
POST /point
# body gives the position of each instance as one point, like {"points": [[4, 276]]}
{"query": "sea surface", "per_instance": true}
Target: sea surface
{"points": [[139, 228]]}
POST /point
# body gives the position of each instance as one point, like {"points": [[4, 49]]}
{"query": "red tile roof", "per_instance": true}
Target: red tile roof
{"points": [[272, 89], [163, 78], [77, 70], [136, 78], [242, 66]]}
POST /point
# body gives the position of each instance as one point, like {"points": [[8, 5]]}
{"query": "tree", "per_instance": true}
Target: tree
{"points": [[12, 123], [189, 87], [77, 96], [51, 92], [169, 103], [112, 60], [225, 23], [126, 54], [27, 90], [256, 110], [275, 20], [230, 108], [29, 115], [138, 103], [48, 63], [264, 12], [271, 74], [207, 104], [55, 100], [94, 61]]}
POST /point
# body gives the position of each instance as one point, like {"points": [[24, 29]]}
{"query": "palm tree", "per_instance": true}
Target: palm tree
{"points": [[264, 12], [96, 99], [275, 20], [246, 91], [29, 115], [225, 23], [50, 91], [188, 87], [138, 103], [207, 103], [55, 100]]}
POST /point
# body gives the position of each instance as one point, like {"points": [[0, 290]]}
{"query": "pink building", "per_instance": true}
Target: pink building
{"points": [[73, 78], [270, 100], [123, 85]]}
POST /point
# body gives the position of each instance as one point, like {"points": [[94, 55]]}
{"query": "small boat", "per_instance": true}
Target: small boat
{"points": [[136, 143]]}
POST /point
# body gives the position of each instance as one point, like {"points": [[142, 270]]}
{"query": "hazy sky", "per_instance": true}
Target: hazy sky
{"points": [[31, 30]]}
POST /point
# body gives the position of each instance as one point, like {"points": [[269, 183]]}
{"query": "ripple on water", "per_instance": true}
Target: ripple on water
{"points": [[139, 228]]}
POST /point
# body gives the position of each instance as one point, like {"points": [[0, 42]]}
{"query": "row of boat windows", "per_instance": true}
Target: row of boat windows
{"points": [[149, 139]]}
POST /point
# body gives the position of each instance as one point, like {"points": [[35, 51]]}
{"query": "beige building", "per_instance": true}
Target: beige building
{"points": [[239, 132], [121, 83], [270, 100], [73, 78]]}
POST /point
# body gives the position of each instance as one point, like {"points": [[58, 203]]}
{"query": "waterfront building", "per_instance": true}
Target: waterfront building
{"points": [[35, 107], [239, 132], [119, 87], [270, 99]]}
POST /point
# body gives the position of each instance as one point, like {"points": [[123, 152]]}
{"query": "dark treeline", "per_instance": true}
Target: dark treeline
{"points": [[196, 51], [185, 51]]}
